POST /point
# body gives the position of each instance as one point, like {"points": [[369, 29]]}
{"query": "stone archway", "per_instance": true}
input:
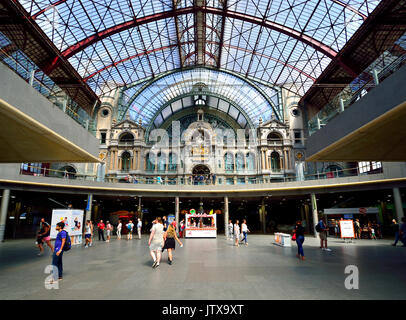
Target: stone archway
{"points": [[201, 169]]}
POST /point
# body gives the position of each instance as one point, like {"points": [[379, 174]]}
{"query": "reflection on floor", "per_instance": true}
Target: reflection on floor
{"points": [[207, 269]]}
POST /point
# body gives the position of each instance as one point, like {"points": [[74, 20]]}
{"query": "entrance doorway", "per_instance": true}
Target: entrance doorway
{"points": [[201, 169]]}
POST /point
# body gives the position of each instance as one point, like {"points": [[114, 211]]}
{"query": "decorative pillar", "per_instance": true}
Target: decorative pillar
{"points": [[266, 161], [315, 215], [111, 160], [263, 159], [115, 160], [3, 213], [226, 217], [177, 213], [398, 204]]}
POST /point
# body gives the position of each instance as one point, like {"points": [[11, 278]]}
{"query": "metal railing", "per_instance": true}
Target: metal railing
{"points": [[390, 61], [17, 61], [197, 180]]}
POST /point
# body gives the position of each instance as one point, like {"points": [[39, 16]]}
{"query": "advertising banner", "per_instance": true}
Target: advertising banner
{"points": [[73, 219]]}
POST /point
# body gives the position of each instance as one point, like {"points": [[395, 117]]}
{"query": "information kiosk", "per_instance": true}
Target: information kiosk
{"points": [[200, 225]]}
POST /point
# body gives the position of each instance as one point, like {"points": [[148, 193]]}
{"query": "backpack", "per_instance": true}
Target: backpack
{"points": [[318, 227], [68, 243]]}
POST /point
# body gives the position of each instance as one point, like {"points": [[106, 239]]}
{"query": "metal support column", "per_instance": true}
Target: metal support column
{"points": [[89, 207], [315, 215], [226, 217], [398, 204], [177, 213], [3, 213]]}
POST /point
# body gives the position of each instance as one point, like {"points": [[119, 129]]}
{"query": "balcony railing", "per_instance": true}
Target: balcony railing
{"points": [[18, 62], [195, 179], [390, 61]]}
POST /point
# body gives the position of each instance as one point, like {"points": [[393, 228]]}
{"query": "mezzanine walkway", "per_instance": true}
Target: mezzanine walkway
{"points": [[207, 269]]}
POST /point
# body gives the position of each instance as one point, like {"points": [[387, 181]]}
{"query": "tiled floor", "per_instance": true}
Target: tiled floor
{"points": [[207, 269]]}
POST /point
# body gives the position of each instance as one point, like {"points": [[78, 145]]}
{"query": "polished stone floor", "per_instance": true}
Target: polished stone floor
{"points": [[207, 269]]}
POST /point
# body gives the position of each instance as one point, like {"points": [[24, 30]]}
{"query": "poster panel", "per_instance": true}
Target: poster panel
{"points": [[347, 229], [60, 215], [73, 220]]}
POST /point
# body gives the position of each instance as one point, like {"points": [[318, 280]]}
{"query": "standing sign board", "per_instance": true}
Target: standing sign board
{"points": [[347, 229], [73, 220]]}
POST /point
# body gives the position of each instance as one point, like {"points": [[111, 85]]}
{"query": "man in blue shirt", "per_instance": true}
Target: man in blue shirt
{"points": [[58, 251], [323, 235]]}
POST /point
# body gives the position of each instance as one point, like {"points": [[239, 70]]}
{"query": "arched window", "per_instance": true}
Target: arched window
{"points": [[229, 162], [161, 162], [173, 160], [125, 161], [275, 161], [150, 163], [250, 161], [274, 138], [126, 138], [239, 161], [68, 172]]}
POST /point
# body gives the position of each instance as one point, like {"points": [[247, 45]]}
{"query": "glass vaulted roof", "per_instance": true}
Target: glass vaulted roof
{"points": [[287, 43], [155, 101]]}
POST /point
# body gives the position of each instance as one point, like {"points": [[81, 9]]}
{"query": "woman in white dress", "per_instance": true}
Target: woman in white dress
{"points": [[236, 233], [119, 227], [156, 242]]}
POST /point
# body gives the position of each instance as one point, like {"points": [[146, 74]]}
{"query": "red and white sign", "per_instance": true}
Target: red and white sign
{"points": [[347, 229]]}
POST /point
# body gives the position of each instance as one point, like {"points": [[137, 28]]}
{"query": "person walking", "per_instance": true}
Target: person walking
{"points": [[182, 227], [139, 227], [130, 227], [119, 227], [156, 241], [244, 230], [165, 223], [44, 235], [357, 227], [101, 226], [109, 229], [60, 242], [88, 233], [169, 241], [299, 230], [230, 230], [322, 229], [395, 230], [236, 232]]}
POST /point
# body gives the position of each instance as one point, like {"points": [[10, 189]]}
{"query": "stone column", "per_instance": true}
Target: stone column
{"points": [[3, 213], [315, 215], [115, 161], [266, 161], [306, 210], [139, 209], [89, 207], [398, 204], [177, 213], [226, 218], [263, 159]]}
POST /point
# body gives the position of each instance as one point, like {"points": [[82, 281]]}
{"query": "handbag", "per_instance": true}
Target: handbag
{"points": [[294, 236]]}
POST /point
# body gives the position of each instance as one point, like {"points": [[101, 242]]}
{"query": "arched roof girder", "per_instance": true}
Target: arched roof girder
{"points": [[56, 3], [84, 43], [239, 76], [188, 42]]}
